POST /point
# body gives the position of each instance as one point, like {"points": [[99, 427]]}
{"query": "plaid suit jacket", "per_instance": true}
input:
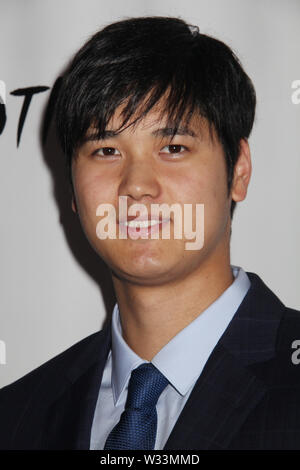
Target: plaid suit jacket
{"points": [[247, 396]]}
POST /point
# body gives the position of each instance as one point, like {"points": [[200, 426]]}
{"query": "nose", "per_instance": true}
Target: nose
{"points": [[140, 181]]}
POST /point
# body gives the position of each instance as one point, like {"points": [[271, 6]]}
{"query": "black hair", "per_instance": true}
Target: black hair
{"points": [[137, 61]]}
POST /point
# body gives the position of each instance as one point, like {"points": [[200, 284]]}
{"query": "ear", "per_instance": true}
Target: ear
{"points": [[73, 204], [242, 172]]}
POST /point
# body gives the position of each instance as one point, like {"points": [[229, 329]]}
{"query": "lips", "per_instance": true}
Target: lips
{"points": [[141, 227], [133, 220], [142, 223]]}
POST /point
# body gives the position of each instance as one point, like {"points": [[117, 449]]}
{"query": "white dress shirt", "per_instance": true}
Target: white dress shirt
{"points": [[181, 361]]}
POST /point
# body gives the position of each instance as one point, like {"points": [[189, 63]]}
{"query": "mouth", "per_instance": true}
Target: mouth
{"points": [[142, 223], [137, 228]]}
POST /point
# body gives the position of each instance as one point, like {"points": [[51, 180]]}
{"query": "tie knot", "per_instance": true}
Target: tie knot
{"points": [[145, 386]]}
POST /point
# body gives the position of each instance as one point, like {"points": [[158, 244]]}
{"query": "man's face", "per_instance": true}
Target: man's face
{"points": [[143, 164]]}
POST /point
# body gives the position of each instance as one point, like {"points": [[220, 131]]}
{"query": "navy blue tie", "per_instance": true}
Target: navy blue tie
{"points": [[138, 423]]}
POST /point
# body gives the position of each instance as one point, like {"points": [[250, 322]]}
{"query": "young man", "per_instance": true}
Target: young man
{"points": [[198, 354]]}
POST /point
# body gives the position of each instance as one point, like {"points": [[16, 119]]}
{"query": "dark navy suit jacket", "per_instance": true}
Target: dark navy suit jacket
{"points": [[247, 396]]}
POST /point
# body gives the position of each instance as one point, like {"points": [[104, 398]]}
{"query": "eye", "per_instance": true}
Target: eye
{"points": [[107, 152], [173, 149]]}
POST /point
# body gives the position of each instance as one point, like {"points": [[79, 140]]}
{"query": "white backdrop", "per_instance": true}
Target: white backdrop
{"points": [[50, 293]]}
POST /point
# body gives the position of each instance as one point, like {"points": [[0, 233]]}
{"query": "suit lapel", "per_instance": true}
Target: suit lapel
{"points": [[228, 390], [220, 401]]}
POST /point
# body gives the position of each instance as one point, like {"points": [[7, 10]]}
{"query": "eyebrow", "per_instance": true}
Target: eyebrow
{"points": [[170, 131], [162, 132], [107, 134]]}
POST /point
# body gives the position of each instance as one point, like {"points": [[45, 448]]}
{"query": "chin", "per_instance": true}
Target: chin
{"points": [[144, 272]]}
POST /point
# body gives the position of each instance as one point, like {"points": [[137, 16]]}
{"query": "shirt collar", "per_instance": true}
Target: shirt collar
{"points": [[182, 359]]}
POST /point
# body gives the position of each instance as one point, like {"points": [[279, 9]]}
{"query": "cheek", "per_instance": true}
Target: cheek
{"points": [[206, 185], [193, 187], [91, 190]]}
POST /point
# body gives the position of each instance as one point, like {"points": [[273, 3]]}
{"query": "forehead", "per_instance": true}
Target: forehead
{"points": [[158, 121]]}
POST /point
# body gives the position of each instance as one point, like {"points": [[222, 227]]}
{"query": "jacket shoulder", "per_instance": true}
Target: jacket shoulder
{"points": [[16, 397], [289, 330], [282, 372], [54, 364]]}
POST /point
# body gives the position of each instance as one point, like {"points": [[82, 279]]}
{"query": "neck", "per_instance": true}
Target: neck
{"points": [[152, 315]]}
